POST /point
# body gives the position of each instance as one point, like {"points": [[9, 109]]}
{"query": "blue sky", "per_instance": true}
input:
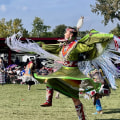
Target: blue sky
{"points": [[53, 13]]}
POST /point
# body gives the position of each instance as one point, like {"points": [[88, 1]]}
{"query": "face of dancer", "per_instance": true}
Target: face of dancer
{"points": [[68, 35]]}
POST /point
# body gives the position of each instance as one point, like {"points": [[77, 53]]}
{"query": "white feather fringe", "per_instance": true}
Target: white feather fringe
{"points": [[106, 61], [15, 44]]}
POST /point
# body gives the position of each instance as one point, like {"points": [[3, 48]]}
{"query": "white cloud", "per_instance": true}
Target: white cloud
{"points": [[24, 8], [2, 8]]}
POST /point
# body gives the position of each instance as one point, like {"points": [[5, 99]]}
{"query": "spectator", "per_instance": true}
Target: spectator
{"points": [[27, 61], [17, 62], [2, 72], [43, 71], [12, 75], [22, 71]]}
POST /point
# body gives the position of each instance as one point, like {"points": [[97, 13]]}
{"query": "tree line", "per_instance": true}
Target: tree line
{"points": [[39, 29], [109, 9]]}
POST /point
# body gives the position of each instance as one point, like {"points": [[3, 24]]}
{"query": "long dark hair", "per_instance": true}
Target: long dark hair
{"points": [[74, 31]]}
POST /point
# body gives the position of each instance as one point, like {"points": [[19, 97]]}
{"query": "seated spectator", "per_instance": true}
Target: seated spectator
{"points": [[12, 75], [22, 71], [18, 70], [43, 71]]}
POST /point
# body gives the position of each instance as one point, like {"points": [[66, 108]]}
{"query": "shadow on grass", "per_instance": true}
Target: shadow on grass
{"points": [[112, 111], [107, 119], [109, 111], [41, 89]]}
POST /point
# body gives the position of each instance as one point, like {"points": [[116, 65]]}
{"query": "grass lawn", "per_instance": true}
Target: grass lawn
{"points": [[17, 103]]}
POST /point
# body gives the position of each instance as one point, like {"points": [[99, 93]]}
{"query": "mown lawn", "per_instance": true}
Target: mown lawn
{"points": [[17, 103]]}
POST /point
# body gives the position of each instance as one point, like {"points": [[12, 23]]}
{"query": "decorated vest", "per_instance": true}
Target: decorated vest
{"points": [[65, 54]]}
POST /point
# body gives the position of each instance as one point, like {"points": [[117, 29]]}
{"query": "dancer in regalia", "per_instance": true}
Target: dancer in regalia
{"points": [[28, 77], [89, 70], [68, 79]]}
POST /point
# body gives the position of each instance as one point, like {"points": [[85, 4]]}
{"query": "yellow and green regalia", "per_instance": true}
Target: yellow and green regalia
{"points": [[68, 78], [101, 48]]}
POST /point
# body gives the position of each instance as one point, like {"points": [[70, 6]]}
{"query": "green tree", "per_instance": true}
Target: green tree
{"points": [[116, 31], [59, 30], [25, 33], [82, 33], [38, 27], [110, 9], [18, 26], [47, 34], [3, 28], [10, 27]]}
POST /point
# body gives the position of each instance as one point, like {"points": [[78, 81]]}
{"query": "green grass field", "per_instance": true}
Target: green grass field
{"points": [[17, 103]]}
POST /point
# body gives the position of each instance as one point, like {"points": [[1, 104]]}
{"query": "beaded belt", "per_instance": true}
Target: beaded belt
{"points": [[70, 63]]}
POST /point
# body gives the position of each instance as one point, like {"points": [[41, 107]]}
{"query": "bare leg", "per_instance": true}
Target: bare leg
{"points": [[57, 95], [76, 101], [29, 86], [79, 108]]}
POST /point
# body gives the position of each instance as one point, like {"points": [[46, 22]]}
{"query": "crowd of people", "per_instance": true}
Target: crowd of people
{"points": [[22, 74]]}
